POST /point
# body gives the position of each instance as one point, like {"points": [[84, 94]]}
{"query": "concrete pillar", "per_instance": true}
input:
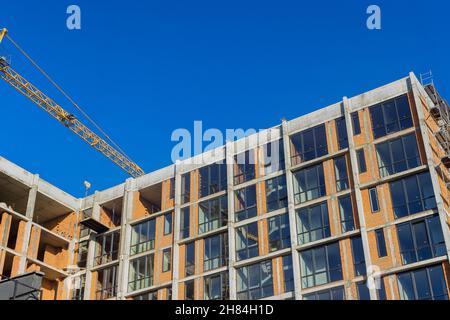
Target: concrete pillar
{"points": [[125, 238], [413, 86], [176, 232], [359, 204], [229, 160], [291, 210], [31, 204]]}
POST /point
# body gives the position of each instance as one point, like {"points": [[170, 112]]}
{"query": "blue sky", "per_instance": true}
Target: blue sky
{"points": [[142, 69]]}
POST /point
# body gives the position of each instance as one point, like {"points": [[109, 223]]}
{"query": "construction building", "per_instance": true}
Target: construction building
{"points": [[352, 192]]}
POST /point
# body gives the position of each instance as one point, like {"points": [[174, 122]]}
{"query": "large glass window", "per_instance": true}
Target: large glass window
{"points": [[340, 170], [82, 254], [273, 153], [244, 167], [346, 212], [308, 145], [189, 263], [412, 195], [279, 234], [185, 188], [321, 265], [288, 274], [309, 184], [361, 161], [215, 251], [337, 293], [390, 116], [421, 240], [423, 284], [341, 128], [373, 195], [167, 260], [140, 275], [276, 193], [363, 291], [185, 222], [359, 262], [107, 248], [152, 295], [189, 290], [216, 287], [397, 155], [143, 237], [355, 123], [212, 214], [247, 241], [313, 223], [255, 281], [168, 222], [245, 203], [106, 283], [381, 243], [79, 286], [212, 179]]}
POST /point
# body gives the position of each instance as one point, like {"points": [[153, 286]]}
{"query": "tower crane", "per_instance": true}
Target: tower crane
{"points": [[70, 121]]}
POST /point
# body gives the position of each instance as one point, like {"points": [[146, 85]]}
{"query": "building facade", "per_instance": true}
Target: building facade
{"points": [[348, 202]]}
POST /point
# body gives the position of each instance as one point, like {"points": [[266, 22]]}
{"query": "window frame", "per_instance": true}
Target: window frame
{"points": [[325, 222], [319, 188], [282, 237], [297, 145], [249, 250]]}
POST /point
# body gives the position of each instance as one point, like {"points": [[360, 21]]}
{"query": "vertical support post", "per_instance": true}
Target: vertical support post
{"points": [[291, 210], [359, 203], [413, 86], [176, 231], [229, 161]]}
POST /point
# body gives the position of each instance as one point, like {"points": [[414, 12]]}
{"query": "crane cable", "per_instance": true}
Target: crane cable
{"points": [[66, 95]]}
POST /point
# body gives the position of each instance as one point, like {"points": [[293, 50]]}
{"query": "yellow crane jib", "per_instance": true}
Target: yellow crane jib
{"points": [[19, 83]]}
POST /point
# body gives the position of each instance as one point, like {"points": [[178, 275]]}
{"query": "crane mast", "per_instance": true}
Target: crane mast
{"points": [[67, 119]]}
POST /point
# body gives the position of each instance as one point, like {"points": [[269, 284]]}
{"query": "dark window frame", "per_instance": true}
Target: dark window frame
{"points": [[212, 220], [149, 227], [277, 187], [308, 212], [280, 237], [318, 148], [248, 250], [215, 261], [316, 191], [146, 280], [244, 210], [381, 243], [341, 178]]}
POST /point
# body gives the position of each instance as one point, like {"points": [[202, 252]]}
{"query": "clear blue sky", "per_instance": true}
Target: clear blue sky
{"points": [[144, 68]]}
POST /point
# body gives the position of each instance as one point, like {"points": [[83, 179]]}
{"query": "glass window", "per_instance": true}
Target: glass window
{"points": [[244, 167], [216, 287], [363, 291], [247, 241], [172, 188], [185, 222], [106, 283], [412, 195], [421, 240], [255, 281], [245, 203], [167, 259], [397, 155], [107, 248], [346, 212], [140, 275], [82, 254], [273, 153], [337, 293], [276, 193], [212, 179], [308, 145], [423, 284], [381, 243], [189, 264], [340, 170], [152, 295], [309, 184], [341, 128], [391, 116], [212, 214], [288, 274], [143, 237], [373, 195], [358, 256], [361, 161], [185, 188], [381, 290], [215, 251], [355, 123], [321, 265], [313, 223], [167, 223], [278, 231], [78, 287], [189, 290]]}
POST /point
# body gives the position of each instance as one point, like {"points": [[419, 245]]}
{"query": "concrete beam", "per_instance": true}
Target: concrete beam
{"points": [[229, 160]]}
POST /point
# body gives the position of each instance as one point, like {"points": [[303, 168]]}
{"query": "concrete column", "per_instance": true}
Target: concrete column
{"points": [[91, 251], [413, 86], [125, 238], [229, 160], [176, 232], [291, 210], [359, 204], [32, 195]]}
